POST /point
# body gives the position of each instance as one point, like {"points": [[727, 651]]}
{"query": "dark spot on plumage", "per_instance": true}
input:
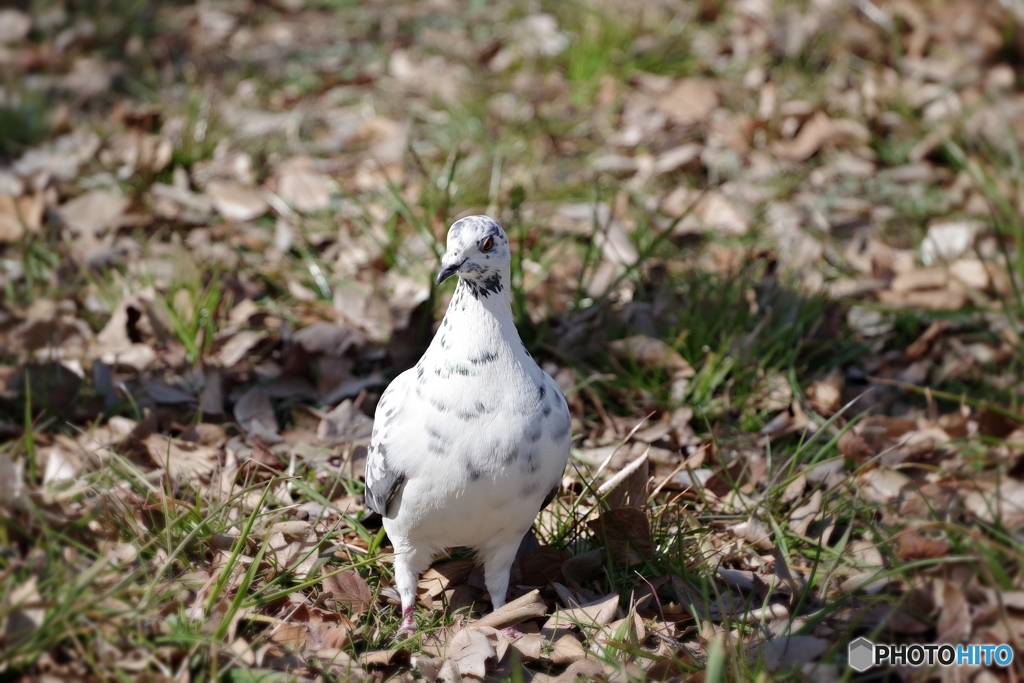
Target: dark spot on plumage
{"points": [[391, 416], [506, 452], [439, 405], [535, 431], [389, 412], [419, 372], [546, 410], [492, 284], [484, 287], [457, 369], [485, 357], [528, 489], [542, 391], [480, 407], [532, 467], [472, 470], [436, 443], [466, 416]]}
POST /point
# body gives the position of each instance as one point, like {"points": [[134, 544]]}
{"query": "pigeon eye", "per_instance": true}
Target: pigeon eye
{"points": [[487, 245]]}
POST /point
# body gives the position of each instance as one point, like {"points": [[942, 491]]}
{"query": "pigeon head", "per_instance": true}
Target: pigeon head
{"points": [[478, 252]]}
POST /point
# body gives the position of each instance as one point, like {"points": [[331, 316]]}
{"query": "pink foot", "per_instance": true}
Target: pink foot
{"points": [[408, 627], [510, 632]]}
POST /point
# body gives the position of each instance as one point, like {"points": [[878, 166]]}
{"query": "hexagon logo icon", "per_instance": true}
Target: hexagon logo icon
{"points": [[861, 654]]}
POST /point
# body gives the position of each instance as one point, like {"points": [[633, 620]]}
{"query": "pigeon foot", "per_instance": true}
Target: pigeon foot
{"points": [[408, 627]]}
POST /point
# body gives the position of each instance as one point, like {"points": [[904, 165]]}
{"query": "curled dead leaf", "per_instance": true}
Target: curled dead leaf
{"points": [[818, 131], [471, 649], [519, 610], [754, 532], [593, 616]]}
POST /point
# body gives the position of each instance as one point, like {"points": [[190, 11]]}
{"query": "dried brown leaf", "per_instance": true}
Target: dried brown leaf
{"points": [[236, 202], [26, 614], [348, 589], [825, 395], [237, 346], [11, 225], [254, 412], [853, 446], [754, 532], [443, 576], [911, 545], [818, 131], [626, 533], [182, 459], [800, 519], [582, 567], [996, 425], [651, 352], [954, 625], [628, 488], [303, 187], [883, 485], [519, 610], [344, 424], [14, 26], [326, 637], [691, 100], [471, 649], [94, 212], [786, 653], [593, 616], [292, 636], [542, 565]]}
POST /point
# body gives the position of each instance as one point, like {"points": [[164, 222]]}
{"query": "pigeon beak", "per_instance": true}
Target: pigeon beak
{"points": [[448, 271]]}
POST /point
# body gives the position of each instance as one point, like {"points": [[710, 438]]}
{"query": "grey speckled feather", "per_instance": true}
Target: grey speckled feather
{"points": [[382, 479], [471, 443]]}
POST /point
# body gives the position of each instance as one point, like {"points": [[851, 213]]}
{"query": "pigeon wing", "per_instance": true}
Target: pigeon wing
{"points": [[383, 477]]}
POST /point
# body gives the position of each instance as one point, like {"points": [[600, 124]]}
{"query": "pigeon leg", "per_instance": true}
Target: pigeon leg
{"points": [[497, 566], [408, 567]]}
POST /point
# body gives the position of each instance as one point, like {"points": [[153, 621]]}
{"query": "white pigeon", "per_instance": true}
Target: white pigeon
{"points": [[469, 445]]}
